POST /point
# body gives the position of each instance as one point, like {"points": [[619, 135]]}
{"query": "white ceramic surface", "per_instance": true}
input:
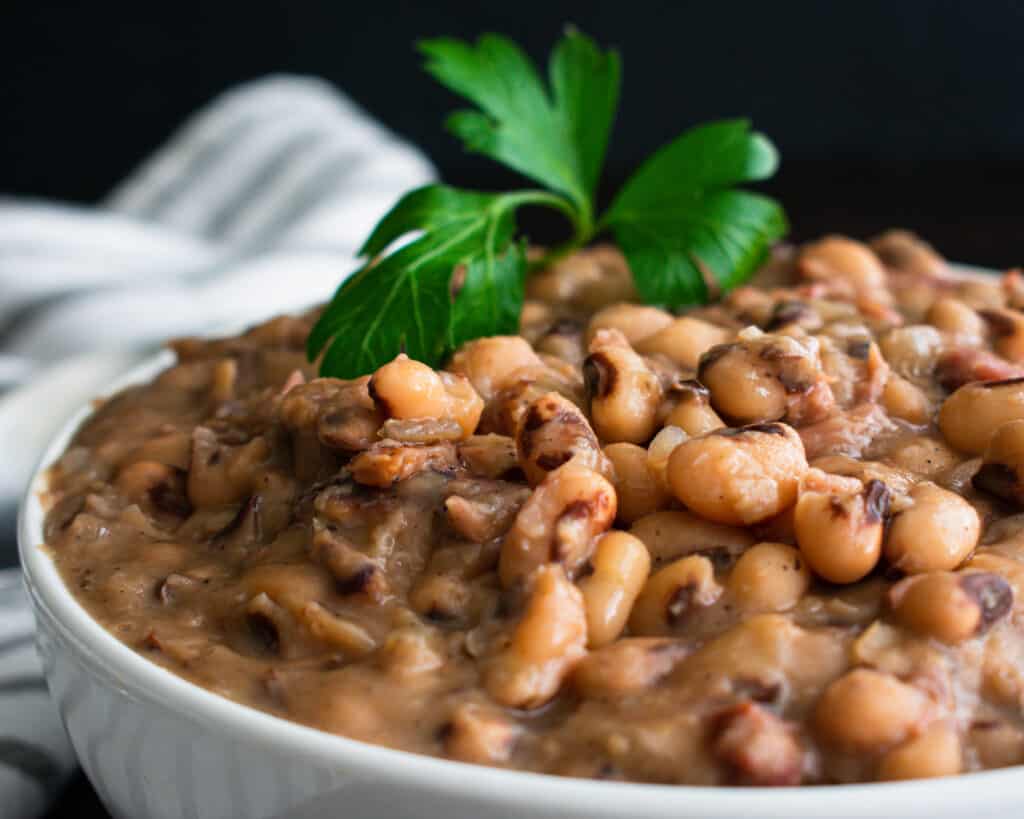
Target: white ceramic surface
{"points": [[155, 745]]}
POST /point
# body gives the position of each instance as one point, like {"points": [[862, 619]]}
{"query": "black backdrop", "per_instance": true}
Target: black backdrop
{"points": [[885, 112]]}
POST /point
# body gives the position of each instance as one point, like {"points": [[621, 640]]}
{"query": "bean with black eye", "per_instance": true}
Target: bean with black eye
{"points": [[625, 393], [971, 414], [848, 267], [639, 490], [769, 577], [634, 321], [953, 316], [1007, 329], [672, 593], [747, 475], [558, 524], [936, 751], [938, 531], [495, 363], [951, 606], [683, 341], [692, 412], [840, 533], [1002, 470], [621, 564], [552, 432], [767, 377]]}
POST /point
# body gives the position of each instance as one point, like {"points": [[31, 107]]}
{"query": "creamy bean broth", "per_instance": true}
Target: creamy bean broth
{"points": [[772, 541]]}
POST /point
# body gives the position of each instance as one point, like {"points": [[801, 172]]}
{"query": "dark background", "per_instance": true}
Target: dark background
{"points": [[886, 113]]}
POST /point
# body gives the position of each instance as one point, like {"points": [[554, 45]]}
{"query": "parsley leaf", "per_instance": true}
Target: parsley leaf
{"points": [[557, 138], [678, 219], [459, 274], [406, 300]]}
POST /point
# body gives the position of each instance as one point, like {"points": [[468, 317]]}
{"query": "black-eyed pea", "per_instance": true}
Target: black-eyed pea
{"points": [[923, 455], [627, 666], [621, 564], [953, 316], [683, 341], [476, 733], [552, 432], [625, 394], [1002, 470], [903, 251], [672, 593], [558, 523], [840, 533], [867, 711], [906, 401], [970, 415], [747, 475], [673, 533], [951, 606], [768, 577], [638, 489], [767, 377], [660, 449], [495, 363], [548, 641], [939, 530], [936, 751], [634, 321], [1007, 329], [847, 266], [912, 351], [405, 388], [692, 412]]}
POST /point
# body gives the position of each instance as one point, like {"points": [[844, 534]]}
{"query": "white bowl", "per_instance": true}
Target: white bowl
{"points": [[155, 745]]}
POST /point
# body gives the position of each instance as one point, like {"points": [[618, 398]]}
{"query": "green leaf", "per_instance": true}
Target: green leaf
{"points": [[557, 138], [406, 301], [585, 82], [677, 219]]}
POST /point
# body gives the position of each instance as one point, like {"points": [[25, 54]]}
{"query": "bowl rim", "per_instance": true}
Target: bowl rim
{"points": [[145, 681]]}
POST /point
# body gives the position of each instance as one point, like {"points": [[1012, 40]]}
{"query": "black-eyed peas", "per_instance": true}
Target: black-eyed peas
{"points": [[639, 490], [552, 432], [938, 531], [476, 733], [953, 316], [634, 321], [1007, 330], [951, 606], [624, 392], [660, 449], [868, 711], [747, 475], [621, 565], [494, 363], [673, 533], [558, 523], [904, 400], [913, 351], [767, 377], [546, 644], [768, 577], [692, 412], [839, 531], [627, 666], [970, 415], [936, 751], [847, 267], [1002, 470], [404, 388], [673, 593], [683, 341]]}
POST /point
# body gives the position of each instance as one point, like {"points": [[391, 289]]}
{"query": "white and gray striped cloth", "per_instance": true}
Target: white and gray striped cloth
{"points": [[254, 207]]}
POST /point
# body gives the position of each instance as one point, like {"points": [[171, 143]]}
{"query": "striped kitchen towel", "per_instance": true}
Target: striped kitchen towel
{"points": [[255, 207]]}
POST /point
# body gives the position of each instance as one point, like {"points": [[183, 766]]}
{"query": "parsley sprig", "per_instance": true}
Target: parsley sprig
{"points": [[678, 219]]}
